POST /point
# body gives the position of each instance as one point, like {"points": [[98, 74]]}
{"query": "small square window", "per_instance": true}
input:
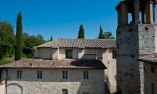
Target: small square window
{"points": [[85, 75], [68, 54], [65, 74], [114, 54], [152, 69], [39, 74], [64, 91], [19, 74]]}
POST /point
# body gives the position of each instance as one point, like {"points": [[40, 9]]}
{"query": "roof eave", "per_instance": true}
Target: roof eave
{"points": [[148, 61], [48, 68]]}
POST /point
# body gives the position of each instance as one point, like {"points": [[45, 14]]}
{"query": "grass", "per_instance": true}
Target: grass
{"points": [[3, 62], [6, 60]]}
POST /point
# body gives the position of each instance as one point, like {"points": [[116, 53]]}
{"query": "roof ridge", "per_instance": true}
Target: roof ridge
{"points": [[81, 39], [80, 43]]}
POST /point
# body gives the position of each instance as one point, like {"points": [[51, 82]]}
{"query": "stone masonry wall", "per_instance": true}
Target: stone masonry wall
{"points": [[53, 83], [132, 41], [102, 54], [110, 72], [136, 39]]}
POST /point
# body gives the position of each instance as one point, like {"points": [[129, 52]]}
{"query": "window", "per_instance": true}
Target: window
{"points": [[19, 74], [152, 69], [68, 54], [39, 74], [85, 75], [152, 88], [114, 54], [64, 91], [86, 93], [65, 75], [0, 75], [90, 56]]}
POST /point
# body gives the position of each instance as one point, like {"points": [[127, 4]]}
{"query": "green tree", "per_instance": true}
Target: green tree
{"points": [[29, 43], [81, 32], [6, 39], [39, 36], [101, 33], [19, 39], [108, 35], [51, 39]]}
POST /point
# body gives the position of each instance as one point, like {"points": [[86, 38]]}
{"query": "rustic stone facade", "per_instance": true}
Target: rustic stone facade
{"points": [[101, 53], [148, 73], [134, 39], [53, 83], [54, 62]]}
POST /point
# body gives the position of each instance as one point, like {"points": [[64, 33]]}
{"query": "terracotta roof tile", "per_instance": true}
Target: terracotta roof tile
{"points": [[39, 63], [149, 58], [81, 43]]}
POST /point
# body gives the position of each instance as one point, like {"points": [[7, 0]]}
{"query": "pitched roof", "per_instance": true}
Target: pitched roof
{"points": [[56, 64], [81, 43], [149, 58]]}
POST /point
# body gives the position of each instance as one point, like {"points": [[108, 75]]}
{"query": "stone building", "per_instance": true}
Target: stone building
{"points": [[149, 73], [134, 39], [63, 66]]}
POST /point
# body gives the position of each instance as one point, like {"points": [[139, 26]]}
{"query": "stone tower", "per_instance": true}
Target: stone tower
{"points": [[134, 38]]}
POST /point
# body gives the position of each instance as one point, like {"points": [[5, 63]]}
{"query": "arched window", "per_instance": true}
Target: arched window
{"points": [[14, 89]]}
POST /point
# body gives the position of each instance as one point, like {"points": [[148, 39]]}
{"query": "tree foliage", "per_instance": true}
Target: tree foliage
{"points": [[30, 42], [101, 34], [6, 39], [81, 32], [108, 35], [51, 39], [9, 42], [19, 40]]}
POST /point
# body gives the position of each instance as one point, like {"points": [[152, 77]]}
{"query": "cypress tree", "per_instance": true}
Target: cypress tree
{"points": [[81, 32], [51, 39], [101, 34], [19, 39]]}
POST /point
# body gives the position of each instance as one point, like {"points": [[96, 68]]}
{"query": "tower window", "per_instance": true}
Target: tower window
{"points": [[114, 54], [0, 75], [86, 93], [152, 88], [152, 69]]}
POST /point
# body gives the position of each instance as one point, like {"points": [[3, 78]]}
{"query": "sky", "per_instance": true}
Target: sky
{"points": [[62, 18]]}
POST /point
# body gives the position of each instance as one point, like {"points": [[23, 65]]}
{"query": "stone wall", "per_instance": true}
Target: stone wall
{"points": [[53, 83], [2, 87], [128, 75], [62, 53], [132, 41], [110, 72], [49, 53], [44, 53], [102, 54]]}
